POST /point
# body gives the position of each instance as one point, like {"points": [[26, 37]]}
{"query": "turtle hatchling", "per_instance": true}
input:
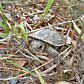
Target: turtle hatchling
{"points": [[46, 39]]}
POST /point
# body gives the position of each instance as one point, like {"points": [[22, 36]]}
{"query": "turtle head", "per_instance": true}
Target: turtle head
{"points": [[37, 45]]}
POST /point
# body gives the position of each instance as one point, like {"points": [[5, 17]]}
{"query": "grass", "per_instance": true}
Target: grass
{"points": [[78, 30], [28, 71], [18, 29], [17, 65], [4, 24], [49, 4], [40, 77], [47, 8]]}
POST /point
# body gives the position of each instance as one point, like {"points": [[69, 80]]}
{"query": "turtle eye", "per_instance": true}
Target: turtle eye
{"points": [[40, 46]]}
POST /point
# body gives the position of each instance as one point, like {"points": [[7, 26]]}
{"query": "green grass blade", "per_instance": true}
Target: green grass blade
{"points": [[1, 24], [5, 22], [17, 65], [78, 30], [40, 77], [23, 30], [76, 27], [49, 4], [14, 29], [3, 35]]}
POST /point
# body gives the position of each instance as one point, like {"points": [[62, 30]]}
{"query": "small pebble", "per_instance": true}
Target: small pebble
{"points": [[13, 81]]}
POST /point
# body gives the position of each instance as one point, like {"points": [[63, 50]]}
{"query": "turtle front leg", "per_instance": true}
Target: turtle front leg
{"points": [[54, 54]]}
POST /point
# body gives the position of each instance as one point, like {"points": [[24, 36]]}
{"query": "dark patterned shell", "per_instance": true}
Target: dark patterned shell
{"points": [[48, 35]]}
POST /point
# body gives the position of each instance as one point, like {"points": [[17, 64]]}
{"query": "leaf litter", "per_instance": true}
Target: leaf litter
{"points": [[23, 62]]}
